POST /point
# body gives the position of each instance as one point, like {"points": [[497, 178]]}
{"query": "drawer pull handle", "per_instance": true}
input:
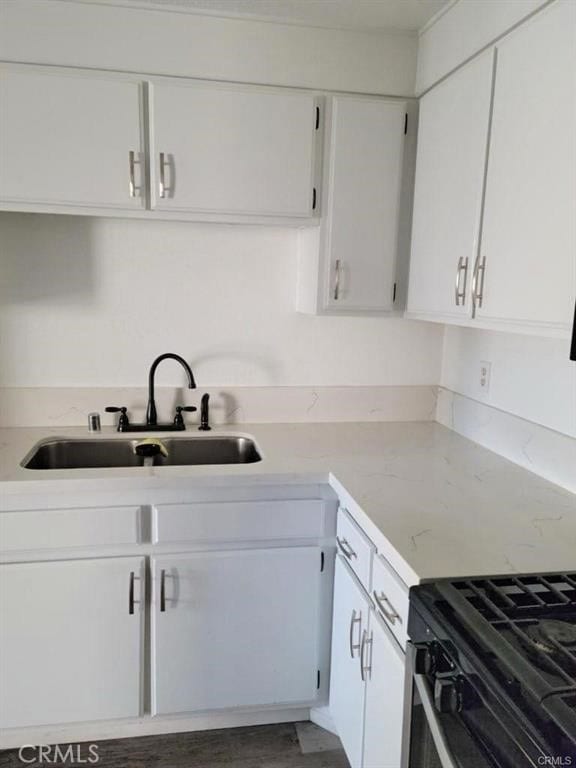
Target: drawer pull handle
{"points": [[162, 591], [365, 669], [354, 620], [345, 548], [392, 614]]}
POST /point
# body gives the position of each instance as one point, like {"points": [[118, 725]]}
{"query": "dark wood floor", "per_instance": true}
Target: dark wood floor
{"points": [[263, 746]]}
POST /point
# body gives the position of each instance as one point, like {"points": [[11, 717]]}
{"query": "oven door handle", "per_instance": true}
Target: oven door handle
{"points": [[444, 752]]}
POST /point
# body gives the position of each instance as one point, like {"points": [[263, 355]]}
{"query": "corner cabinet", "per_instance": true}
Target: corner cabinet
{"points": [[70, 139], [494, 231], [71, 641], [79, 141], [350, 265]]}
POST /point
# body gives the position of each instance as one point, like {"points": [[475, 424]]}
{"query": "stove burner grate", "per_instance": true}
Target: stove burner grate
{"points": [[534, 614]]}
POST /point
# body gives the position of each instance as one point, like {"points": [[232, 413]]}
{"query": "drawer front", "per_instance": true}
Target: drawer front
{"points": [[233, 521], [390, 598], [64, 528], [355, 547]]}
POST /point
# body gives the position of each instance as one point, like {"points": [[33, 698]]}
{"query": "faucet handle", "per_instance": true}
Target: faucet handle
{"points": [[204, 425], [178, 419], [123, 421]]}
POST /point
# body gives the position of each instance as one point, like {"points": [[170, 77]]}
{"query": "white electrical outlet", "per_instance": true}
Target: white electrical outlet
{"points": [[485, 371]]}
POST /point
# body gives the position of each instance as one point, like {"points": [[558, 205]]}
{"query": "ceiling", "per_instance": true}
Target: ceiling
{"points": [[407, 15]]}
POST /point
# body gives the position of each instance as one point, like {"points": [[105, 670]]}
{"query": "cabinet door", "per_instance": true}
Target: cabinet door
{"points": [[529, 235], [450, 169], [70, 647], [66, 139], [360, 235], [234, 629], [232, 150], [384, 711], [350, 619]]}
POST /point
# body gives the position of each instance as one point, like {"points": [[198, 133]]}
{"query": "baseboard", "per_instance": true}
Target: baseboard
{"points": [[13, 738]]}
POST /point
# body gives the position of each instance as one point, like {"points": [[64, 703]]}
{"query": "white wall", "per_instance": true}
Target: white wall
{"points": [[90, 302], [193, 45], [530, 377]]}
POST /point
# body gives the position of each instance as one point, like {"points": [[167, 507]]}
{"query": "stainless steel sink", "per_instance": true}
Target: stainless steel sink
{"points": [[99, 453]]}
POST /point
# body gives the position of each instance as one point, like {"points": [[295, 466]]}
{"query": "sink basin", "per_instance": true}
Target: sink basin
{"points": [[99, 453]]}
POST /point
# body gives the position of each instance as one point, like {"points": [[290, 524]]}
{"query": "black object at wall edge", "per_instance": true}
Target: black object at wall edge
{"points": [[573, 345]]}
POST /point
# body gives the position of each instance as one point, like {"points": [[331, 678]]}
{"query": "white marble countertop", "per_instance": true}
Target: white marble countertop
{"points": [[435, 504]]}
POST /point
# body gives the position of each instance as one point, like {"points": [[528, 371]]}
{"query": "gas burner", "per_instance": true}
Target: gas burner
{"points": [[548, 634]]}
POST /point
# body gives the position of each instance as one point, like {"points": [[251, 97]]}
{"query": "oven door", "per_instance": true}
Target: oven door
{"points": [[433, 739]]}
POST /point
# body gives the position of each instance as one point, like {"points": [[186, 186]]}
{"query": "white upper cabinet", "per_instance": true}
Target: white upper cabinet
{"points": [[70, 140], [494, 227], [235, 629], [527, 271], [351, 266], [363, 202], [232, 149], [450, 168]]}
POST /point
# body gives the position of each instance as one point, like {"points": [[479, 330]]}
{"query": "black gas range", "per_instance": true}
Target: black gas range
{"points": [[492, 673]]}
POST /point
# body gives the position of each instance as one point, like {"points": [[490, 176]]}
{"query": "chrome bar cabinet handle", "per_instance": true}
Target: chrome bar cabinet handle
{"points": [[345, 548], [132, 181], [480, 291], [474, 286], [365, 669], [162, 591], [337, 280], [460, 293], [391, 615], [354, 620], [162, 188]]}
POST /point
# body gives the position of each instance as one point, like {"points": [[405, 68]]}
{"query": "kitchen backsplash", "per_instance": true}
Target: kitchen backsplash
{"points": [[543, 451], [67, 406]]}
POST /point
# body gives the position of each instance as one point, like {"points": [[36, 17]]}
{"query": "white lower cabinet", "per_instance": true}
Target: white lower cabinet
{"points": [[71, 641], [383, 713], [367, 678], [235, 628], [350, 619]]}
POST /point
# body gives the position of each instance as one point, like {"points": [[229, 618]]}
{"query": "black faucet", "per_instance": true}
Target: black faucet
{"points": [[124, 423], [151, 415]]}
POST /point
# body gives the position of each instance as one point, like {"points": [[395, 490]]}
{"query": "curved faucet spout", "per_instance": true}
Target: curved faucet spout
{"points": [[151, 415]]}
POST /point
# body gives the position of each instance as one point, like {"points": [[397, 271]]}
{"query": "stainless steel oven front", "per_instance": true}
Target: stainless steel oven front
{"points": [[434, 738]]}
